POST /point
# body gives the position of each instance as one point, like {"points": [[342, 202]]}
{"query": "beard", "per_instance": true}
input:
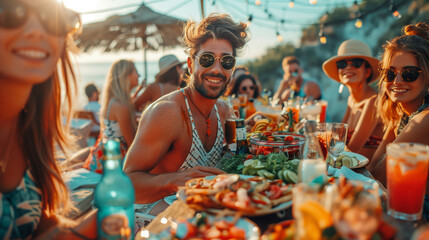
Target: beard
{"points": [[208, 92]]}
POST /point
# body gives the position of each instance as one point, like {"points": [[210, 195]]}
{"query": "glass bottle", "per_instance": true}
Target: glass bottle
{"points": [[114, 196], [241, 136], [312, 167]]}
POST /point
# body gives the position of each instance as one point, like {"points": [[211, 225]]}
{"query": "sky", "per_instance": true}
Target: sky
{"points": [[269, 18]]}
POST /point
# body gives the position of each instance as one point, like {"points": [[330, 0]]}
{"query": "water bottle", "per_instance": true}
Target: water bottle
{"points": [[312, 167], [114, 196]]}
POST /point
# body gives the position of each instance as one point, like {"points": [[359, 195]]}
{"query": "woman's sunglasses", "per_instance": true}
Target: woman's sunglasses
{"points": [[244, 88], [356, 62], [207, 60], [56, 19], [409, 74]]}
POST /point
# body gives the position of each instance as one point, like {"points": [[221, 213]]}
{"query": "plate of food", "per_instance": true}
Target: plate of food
{"points": [[232, 193], [205, 226], [348, 159]]}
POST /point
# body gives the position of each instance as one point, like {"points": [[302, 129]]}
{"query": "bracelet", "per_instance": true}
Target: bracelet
{"points": [[72, 230]]}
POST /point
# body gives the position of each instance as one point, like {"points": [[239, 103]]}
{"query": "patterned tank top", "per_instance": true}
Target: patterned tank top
{"points": [[20, 209], [197, 155]]}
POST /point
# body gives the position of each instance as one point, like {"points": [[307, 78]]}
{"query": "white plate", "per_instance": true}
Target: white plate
{"points": [[251, 229], [182, 196], [363, 161]]}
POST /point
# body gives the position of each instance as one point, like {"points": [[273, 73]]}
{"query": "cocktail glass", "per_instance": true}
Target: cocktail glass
{"points": [[312, 204], [357, 212], [336, 137], [407, 171]]}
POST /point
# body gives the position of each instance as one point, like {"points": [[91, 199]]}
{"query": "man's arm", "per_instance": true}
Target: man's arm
{"points": [[159, 128]]}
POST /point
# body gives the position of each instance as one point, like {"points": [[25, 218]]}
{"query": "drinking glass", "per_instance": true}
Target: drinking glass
{"points": [[407, 171], [312, 204], [321, 136], [336, 137], [357, 212]]}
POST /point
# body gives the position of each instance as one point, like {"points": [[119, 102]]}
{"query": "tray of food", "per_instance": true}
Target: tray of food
{"points": [[232, 193]]}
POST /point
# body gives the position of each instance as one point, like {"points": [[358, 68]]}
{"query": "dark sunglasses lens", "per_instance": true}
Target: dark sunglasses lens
{"points": [[357, 62], [12, 14], [341, 64], [390, 76], [227, 62], [206, 60], [410, 75]]}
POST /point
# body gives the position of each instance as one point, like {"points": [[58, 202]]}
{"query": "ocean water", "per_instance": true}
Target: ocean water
{"points": [[96, 73]]}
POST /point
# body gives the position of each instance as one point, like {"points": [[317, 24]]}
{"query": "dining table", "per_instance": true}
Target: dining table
{"points": [[179, 210]]}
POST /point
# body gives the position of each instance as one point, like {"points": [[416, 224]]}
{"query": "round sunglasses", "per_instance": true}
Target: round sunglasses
{"points": [[56, 19], [207, 60], [409, 74], [356, 63]]}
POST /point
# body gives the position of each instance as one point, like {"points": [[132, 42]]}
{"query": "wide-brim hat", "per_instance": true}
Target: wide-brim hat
{"points": [[351, 49], [167, 62]]}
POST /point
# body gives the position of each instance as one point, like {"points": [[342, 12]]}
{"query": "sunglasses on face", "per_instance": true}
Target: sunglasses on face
{"points": [[207, 60], [356, 63], [409, 74], [244, 88], [55, 18]]}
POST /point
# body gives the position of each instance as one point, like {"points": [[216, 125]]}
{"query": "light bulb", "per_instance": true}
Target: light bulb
{"points": [[279, 37], [323, 39], [291, 4], [313, 2], [258, 2], [358, 23], [397, 14]]}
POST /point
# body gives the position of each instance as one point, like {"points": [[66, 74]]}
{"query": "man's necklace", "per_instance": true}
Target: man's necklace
{"points": [[208, 132]]}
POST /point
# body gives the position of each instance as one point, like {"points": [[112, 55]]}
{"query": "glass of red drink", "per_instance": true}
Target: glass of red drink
{"points": [[407, 171]]}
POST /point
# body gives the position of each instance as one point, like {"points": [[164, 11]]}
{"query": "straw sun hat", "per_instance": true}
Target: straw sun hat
{"points": [[347, 50], [166, 63]]}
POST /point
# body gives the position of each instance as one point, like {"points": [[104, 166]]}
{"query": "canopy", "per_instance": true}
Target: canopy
{"points": [[143, 28]]}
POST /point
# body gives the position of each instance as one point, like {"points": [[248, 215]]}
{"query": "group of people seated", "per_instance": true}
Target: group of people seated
{"points": [[180, 135]]}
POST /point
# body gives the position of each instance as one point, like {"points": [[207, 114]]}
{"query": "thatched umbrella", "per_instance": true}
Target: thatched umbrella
{"points": [[143, 28]]}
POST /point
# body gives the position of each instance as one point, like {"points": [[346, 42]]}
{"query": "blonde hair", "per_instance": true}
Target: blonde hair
{"points": [[415, 41], [118, 87]]}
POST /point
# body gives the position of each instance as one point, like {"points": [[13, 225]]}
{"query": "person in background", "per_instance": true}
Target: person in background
{"points": [[246, 84], [293, 82], [355, 67], [36, 81], [403, 98], [167, 80], [117, 111], [188, 124], [92, 93]]}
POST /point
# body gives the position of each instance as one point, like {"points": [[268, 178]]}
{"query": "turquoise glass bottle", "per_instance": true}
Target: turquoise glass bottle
{"points": [[114, 196]]}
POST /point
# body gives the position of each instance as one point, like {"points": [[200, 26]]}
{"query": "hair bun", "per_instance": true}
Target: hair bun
{"points": [[420, 29]]}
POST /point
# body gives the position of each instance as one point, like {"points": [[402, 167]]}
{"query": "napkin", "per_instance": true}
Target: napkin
{"points": [[348, 173]]}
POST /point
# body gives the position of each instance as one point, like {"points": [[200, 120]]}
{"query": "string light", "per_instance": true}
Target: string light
{"points": [[394, 11], [358, 23], [249, 20], [322, 37], [258, 2], [279, 37], [313, 2], [292, 3]]}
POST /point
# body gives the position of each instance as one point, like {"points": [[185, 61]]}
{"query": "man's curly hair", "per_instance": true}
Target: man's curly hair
{"points": [[215, 26]]}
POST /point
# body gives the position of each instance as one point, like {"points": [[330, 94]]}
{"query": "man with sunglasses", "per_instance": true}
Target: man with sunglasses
{"points": [[293, 85], [181, 135]]}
